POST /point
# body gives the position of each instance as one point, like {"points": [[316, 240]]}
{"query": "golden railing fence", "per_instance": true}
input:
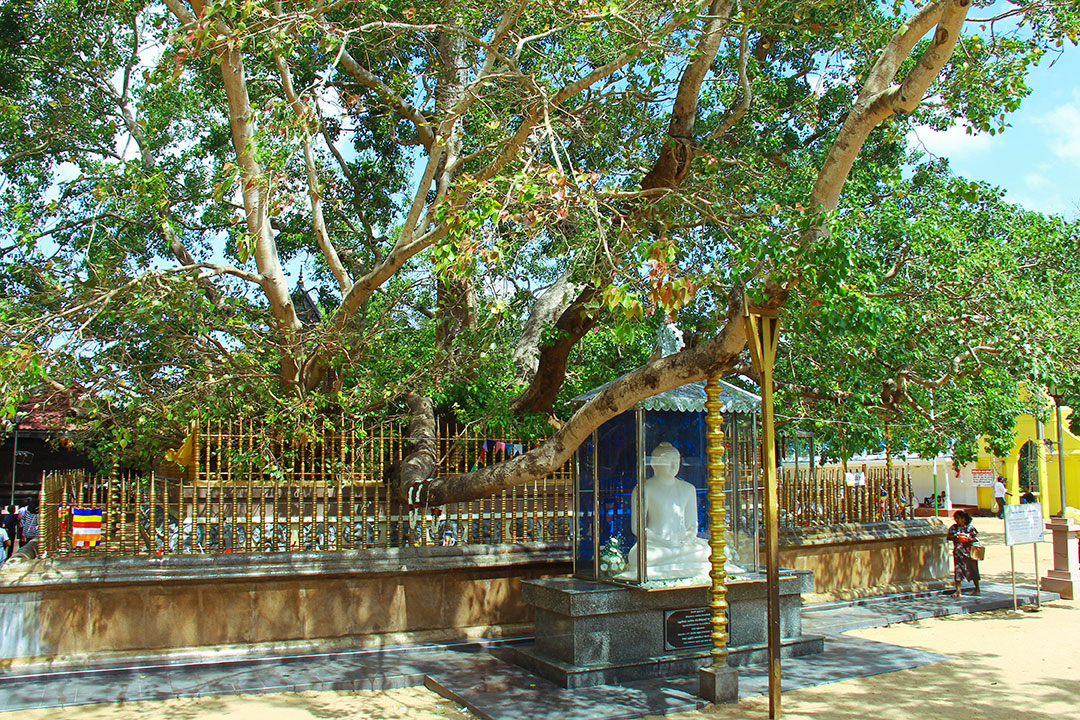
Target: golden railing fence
{"points": [[831, 497], [242, 490]]}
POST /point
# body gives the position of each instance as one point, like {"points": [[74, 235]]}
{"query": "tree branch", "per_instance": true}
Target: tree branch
{"points": [[318, 223], [670, 168], [363, 76], [714, 356], [254, 186], [551, 304], [673, 162], [573, 324], [745, 94], [874, 105]]}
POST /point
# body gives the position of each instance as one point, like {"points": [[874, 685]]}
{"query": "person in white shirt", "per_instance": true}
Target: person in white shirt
{"points": [[5, 544], [1000, 493]]}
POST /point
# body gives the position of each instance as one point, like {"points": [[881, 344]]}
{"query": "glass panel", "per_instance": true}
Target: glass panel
{"points": [[675, 499], [616, 476], [744, 503], [583, 539], [686, 432]]}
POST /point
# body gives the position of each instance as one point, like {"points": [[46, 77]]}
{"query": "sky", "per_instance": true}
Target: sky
{"points": [[1036, 160]]}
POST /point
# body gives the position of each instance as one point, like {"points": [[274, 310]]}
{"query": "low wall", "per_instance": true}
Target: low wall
{"points": [[860, 560], [75, 611]]}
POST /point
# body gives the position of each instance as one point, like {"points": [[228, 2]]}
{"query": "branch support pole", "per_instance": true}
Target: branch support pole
{"points": [[763, 333]]}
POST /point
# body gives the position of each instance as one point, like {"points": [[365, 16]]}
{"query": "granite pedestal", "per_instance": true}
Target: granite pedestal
{"points": [[1064, 577], [593, 633]]}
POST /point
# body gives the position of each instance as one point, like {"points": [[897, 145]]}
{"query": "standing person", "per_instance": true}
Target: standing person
{"points": [[29, 522], [7, 543], [11, 522], [963, 535], [1000, 492]]}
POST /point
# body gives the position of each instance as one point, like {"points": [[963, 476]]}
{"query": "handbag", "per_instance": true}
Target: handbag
{"points": [[978, 551]]}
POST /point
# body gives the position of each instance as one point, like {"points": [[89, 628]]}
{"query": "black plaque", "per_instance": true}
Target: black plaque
{"points": [[688, 628]]}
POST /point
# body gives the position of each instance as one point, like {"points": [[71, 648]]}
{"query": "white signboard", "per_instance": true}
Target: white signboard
{"points": [[1023, 524], [982, 478], [855, 479]]}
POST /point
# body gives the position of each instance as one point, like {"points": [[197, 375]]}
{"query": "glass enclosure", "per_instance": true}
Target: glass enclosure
{"points": [[583, 498], [743, 490], [641, 500]]}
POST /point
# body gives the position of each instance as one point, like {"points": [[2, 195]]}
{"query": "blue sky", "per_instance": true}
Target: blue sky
{"points": [[1037, 159]]}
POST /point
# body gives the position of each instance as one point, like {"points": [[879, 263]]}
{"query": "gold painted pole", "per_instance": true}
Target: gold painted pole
{"points": [[772, 539], [714, 423], [762, 326], [717, 683]]}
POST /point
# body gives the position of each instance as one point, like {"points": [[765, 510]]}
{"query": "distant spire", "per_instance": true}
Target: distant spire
{"points": [[306, 308]]}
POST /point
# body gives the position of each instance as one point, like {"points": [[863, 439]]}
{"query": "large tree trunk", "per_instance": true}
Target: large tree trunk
{"points": [[545, 311], [574, 323], [422, 461], [718, 355]]}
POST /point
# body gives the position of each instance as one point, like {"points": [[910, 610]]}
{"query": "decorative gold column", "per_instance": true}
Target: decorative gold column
{"points": [[717, 683], [714, 424]]}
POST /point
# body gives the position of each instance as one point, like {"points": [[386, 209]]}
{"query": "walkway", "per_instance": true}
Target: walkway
{"points": [[477, 676]]}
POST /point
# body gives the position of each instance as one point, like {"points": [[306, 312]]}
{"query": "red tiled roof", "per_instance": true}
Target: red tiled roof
{"points": [[46, 411]]}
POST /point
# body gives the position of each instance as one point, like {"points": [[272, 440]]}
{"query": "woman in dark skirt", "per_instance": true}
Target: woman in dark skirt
{"points": [[963, 535]]}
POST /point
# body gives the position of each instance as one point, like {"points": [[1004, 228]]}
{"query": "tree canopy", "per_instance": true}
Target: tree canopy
{"points": [[496, 204]]}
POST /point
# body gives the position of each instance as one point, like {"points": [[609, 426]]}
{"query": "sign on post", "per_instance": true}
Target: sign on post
{"points": [[1023, 526], [982, 478]]}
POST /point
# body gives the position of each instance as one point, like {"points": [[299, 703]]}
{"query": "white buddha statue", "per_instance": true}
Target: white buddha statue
{"points": [[672, 549]]}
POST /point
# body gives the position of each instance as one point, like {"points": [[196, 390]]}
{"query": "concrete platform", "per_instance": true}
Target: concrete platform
{"points": [[597, 633], [839, 617], [503, 692], [670, 665], [479, 676]]}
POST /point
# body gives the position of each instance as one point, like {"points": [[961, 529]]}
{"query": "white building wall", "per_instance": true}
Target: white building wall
{"points": [[960, 489]]}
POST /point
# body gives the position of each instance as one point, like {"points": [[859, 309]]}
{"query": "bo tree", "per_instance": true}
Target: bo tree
{"points": [[951, 316], [480, 189]]}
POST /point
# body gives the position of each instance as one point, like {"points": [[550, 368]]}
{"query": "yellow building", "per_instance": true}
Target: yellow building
{"points": [[1049, 490]]}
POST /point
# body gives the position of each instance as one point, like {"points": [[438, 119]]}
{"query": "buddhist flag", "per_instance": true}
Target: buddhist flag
{"points": [[85, 527]]}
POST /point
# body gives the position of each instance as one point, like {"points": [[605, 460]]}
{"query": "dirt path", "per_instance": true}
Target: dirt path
{"points": [[1005, 665], [409, 703], [1023, 666]]}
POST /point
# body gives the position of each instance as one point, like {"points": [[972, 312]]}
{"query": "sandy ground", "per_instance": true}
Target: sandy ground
{"points": [[411, 703], [1004, 665]]}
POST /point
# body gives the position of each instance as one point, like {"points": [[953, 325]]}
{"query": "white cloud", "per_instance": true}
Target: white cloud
{"points": [[1048, 202], [1035, 181], [954, 143], [1064, 124]]}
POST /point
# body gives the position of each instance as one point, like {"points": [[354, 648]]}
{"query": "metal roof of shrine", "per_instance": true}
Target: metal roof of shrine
{"points": [[691, 398]]}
